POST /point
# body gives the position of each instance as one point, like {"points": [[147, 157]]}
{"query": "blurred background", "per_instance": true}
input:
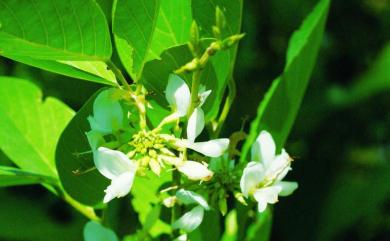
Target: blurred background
{"points": [[340, 141]]}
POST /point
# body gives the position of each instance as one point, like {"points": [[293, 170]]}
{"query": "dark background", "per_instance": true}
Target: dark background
{"points": [[340, 141]]}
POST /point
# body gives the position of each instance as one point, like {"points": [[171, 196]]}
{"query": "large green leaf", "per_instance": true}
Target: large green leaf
{"points": [[94, 231], [49, 30], [10, 176], [146, 28], [74, 153], [54, 30], [29, 126], [277, 112]]}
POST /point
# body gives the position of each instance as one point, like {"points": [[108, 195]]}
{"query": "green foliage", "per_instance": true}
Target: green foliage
{"points": [[286, 92], [74, 154], [47, 36], [94, 231], [149, 27], [32, 125], [10, 176]]}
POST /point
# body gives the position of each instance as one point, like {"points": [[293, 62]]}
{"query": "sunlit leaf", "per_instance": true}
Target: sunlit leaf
{"points": [[30, 126], [277, 112], [10, 176], [145, 29], [55, 30]]}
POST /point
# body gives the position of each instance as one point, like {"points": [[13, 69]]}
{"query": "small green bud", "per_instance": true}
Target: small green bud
{"points": [[240, 197], [232, 40], [220, 19], [152, 153], [194, 39]]}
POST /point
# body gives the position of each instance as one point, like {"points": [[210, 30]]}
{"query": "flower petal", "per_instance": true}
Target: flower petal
{"points": [[263, 150], [190, 220], [195, 124], [188, 197], [120, 186], [107, 113], [178, 95], [287, 188], [212, 148], [202, 95], [195, 171], [279, 167], [266, 195], [112, 163], [253, 174]]}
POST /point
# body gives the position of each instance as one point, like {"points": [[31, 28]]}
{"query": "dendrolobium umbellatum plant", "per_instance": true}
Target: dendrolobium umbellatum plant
{"points": [[151, 155]]}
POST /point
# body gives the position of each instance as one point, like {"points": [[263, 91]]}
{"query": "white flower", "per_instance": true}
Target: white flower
{"points": [[178, 95], [211, 148], [192, 219], [108, 114], [195, 171], [263, 176], [117, 167]]}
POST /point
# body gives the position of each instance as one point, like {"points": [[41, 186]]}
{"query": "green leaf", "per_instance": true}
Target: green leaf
{"points": [[145, 28], [260, 230], [74, 153], [30, 127], [231, 227], [375, 80], [10, 176], [145, 193], [55, 30], [65, 69], [94, 231], [277, 112]]}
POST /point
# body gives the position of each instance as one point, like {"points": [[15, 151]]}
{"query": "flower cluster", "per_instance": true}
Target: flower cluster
{"points": [[124, 149], [121, 151]]}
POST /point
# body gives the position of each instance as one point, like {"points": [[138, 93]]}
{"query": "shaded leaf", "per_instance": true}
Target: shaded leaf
{"points": [[74, 153]]}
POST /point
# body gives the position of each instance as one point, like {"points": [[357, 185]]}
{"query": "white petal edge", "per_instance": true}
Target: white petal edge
{"points": [[120, 186], [212, 148], [190, 220], [203, 97], [266, 195], [195, 171], [178, 95], [112, 163], [252, 175], [263, 150], [189, 197], [195, 124]]}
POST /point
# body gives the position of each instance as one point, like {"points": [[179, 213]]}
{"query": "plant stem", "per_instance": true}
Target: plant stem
{"points": [[85, 210], [226, 108], [194, 91], [176, 210], [118, 74]]}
